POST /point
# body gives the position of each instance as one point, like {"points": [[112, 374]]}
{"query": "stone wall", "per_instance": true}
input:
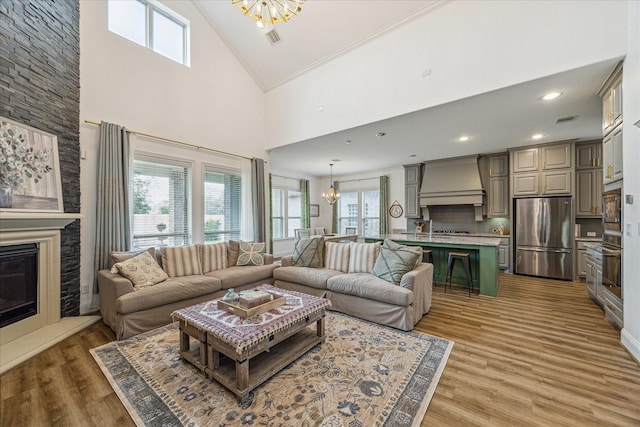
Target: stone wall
{"points": [[40, 87]]}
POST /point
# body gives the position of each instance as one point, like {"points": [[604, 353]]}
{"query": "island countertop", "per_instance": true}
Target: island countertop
{"points": [[444, 239]]}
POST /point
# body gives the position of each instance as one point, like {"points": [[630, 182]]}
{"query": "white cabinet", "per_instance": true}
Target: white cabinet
{"points": [[612, 102], [612, 155]]}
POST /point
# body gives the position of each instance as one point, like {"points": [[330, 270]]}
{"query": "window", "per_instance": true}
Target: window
{"points": [[359, 208], [161, 204], [222, 206], [153, 25], [286, 207]]}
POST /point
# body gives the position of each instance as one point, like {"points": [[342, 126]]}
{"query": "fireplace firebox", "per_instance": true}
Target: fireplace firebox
{"points": [[18, 282]]}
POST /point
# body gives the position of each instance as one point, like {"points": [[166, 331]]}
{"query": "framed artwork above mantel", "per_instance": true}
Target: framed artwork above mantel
{"points": [[29, 169]]}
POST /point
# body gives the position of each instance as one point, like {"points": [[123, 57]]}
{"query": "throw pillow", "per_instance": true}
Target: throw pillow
{"points": [[213, 257], [309, 252], [337, 256], [233, 251], [123, 256], [362, 256], [394, 261], [181, 261], [251, 253], [142, 270]]}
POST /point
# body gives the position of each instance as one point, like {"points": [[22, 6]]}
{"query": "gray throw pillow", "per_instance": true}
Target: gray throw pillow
{"points": [[309, 252], [394, 261]]}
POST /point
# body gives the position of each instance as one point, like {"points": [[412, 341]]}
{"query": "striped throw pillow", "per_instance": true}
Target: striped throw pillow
{"points": [[362, 256], [181, 261], [337, 256], [213, 257]]}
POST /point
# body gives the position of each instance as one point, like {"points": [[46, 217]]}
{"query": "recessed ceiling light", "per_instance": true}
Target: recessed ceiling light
{"points": [[412, 155], [348, 141], [379, 134], [464, 138], [551, 95], [537, 136]]}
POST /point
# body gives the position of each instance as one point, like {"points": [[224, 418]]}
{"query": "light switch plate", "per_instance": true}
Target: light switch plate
{"points": [[628, 229]]}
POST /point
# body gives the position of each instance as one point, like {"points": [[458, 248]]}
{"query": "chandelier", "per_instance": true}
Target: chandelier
{"points": [[331, 196], [269, 11]]}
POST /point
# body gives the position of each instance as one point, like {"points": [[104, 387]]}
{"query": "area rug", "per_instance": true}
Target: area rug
{"points": [[363, 375]]}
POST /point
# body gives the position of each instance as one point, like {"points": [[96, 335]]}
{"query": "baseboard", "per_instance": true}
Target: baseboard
{"points": [[631, 344], [21, 349]]}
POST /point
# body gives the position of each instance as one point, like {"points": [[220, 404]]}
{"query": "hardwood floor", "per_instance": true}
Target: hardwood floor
{"points": [[541, 354]]}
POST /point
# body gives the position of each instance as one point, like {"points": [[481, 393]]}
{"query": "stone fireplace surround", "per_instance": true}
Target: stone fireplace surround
{"points": [[24, 339]]}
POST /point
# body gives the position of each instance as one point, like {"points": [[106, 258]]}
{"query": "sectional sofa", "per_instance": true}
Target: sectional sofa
{"points": [[346, 274], [189, 275]]}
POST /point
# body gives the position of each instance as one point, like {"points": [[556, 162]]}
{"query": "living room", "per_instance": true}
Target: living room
{"points": [[210, 103]]}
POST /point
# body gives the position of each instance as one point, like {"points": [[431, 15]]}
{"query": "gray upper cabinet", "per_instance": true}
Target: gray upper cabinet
{"points": [[589, 155], [525, 160], [556, 156], [589, 181], [497, 187], [412, 178], [612, 101], [498, 165], [612, 156], [542, 170]]}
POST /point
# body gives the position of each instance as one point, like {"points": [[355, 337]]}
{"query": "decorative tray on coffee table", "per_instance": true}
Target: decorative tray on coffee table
{"points": [[253, 303]]}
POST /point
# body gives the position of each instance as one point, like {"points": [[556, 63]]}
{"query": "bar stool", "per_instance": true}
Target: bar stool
{"points": [[466, 263], [427, 256]]}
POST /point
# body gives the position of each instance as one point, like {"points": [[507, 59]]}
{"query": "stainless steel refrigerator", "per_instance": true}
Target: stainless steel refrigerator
{"points": [[543, 237]]}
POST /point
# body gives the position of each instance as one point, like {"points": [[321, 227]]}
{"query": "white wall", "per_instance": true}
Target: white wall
{"points": [[470, 47], [630, 335], [214, 103]]}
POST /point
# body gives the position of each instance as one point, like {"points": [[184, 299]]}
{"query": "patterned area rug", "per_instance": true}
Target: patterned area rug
{"points": [[363, 374]]}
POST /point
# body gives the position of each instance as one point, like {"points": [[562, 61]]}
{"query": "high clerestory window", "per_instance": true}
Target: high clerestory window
{"points": [[153, 25]]}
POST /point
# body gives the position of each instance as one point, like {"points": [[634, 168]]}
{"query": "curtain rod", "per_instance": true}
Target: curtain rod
{"points": [[173, 141]]}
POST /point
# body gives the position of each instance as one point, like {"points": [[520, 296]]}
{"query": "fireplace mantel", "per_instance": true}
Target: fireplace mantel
{"points": [[27, 337], [27, 221]]}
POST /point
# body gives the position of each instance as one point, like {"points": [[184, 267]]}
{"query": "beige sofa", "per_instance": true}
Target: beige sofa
{"points": [[129, 311], [362, 294]]}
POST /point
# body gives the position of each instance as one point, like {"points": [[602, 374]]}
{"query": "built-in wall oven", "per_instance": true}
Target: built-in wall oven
{"points": [[612, 240]]}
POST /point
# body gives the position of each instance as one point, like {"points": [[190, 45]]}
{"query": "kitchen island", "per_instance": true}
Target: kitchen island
{"points": [[483, 252]]}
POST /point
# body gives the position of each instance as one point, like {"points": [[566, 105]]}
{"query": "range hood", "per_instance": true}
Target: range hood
{"points": [[452, 182]]}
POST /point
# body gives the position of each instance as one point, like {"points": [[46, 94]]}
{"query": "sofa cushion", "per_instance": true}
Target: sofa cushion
{"points": [[213, 256], [181, 261], [309, 252], [142, 270], [169, 291], [313, 277], [394, 261], [123, 256], [337, 256], [233, 250], [368, 286], [362, 256], [251, 253], [236, 276]]}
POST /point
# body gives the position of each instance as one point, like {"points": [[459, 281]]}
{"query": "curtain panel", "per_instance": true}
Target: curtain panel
{"points": [[384, 202], [305, 216], [258, 200], [334, 217], [113, 215]]}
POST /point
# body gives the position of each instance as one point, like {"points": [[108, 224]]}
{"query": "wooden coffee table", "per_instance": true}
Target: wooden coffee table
{"points": [[268, 342]]}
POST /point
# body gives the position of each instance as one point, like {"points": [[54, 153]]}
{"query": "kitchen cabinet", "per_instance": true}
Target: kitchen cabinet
{"points": [[612, 101], [581, 267], [613, 308], [612, 156], [595, 288], [588, 155], [542, 184], [412, 178], [542, 158], [498, 186], [589, 193], [498, 165], [504, 254]]}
